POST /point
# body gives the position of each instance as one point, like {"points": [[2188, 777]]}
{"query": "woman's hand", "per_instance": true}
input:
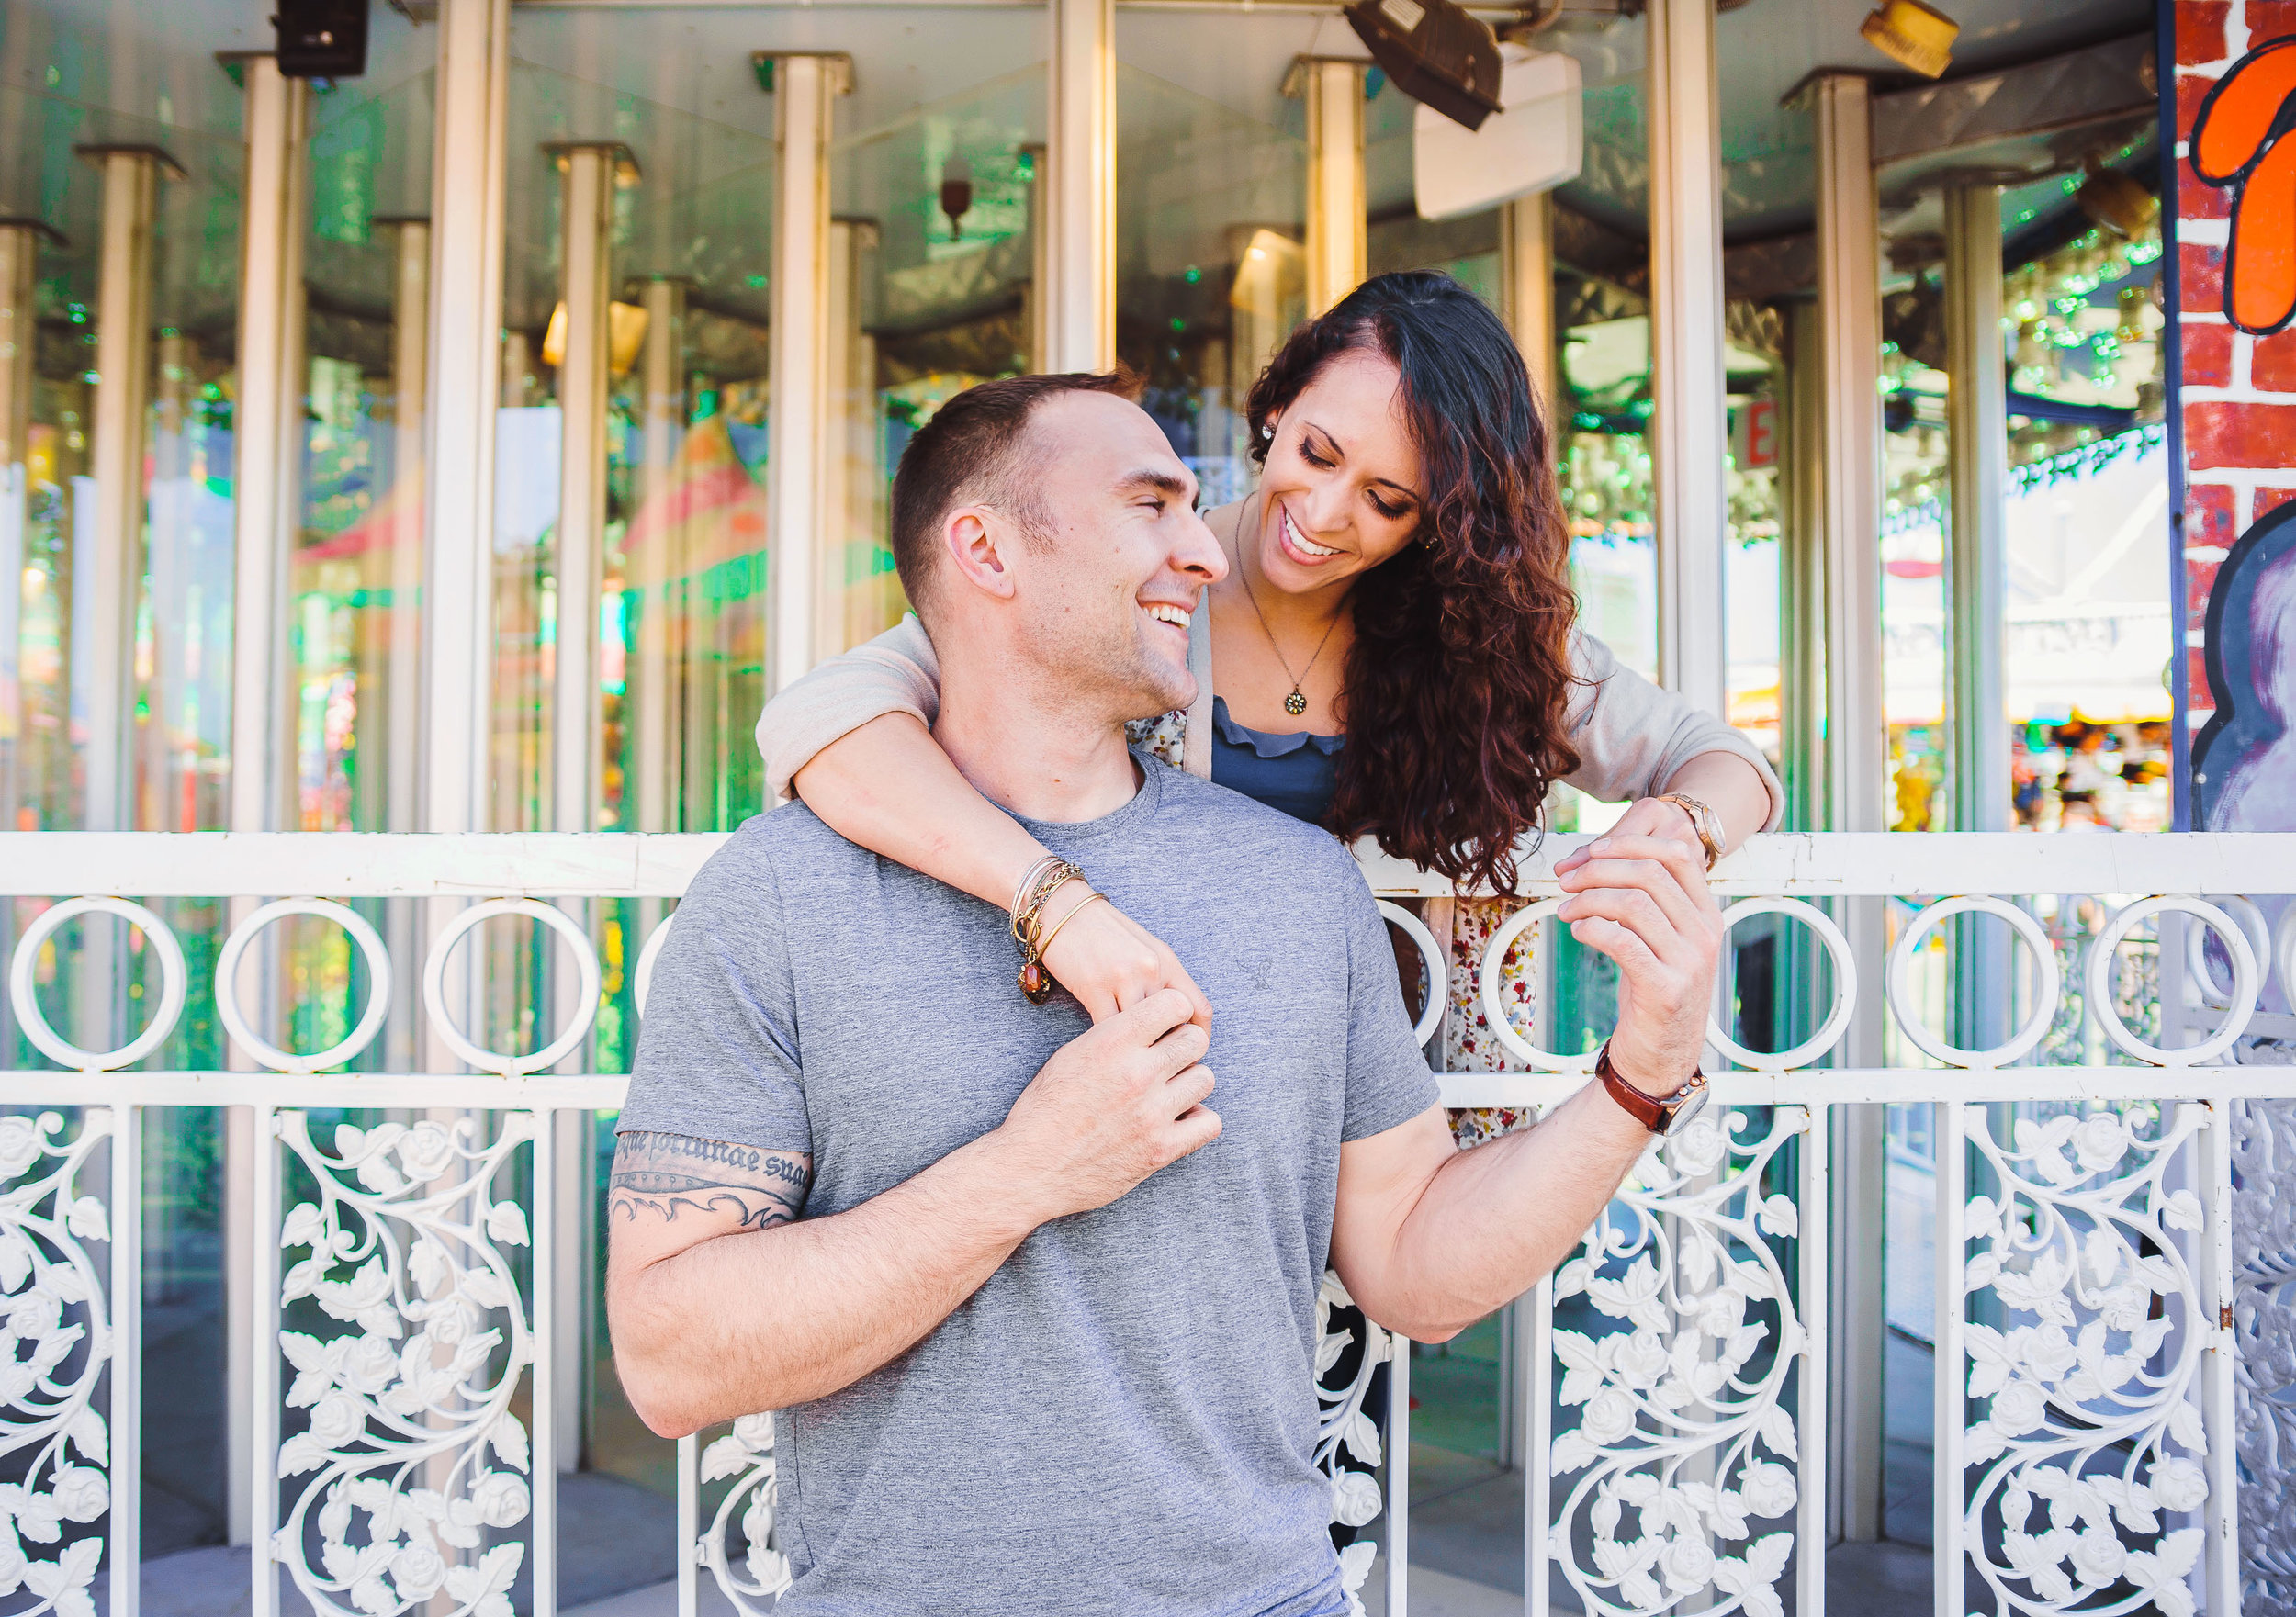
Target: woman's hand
{"points": [[1110, 962], [1649, 817]]}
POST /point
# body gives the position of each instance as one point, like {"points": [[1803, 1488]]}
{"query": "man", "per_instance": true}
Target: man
{"points": [[1039, 1306]]}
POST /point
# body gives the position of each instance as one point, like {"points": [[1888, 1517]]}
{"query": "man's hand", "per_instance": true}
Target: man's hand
{"points": [[1112, 1106], [1644, 901], [723, 1301], [1111, 964]]}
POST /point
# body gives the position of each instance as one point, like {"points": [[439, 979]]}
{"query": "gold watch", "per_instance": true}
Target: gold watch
{"points": [[1703, 820]]}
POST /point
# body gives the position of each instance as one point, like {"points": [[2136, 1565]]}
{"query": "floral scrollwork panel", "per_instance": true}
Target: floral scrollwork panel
{"points": [[416, 1462], [1344, 1430], [746, 1454], [55, 1342], [2087, 1467], [1684, 1449], [2264, 1326]]}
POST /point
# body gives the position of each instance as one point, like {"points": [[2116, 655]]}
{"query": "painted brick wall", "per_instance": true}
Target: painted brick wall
{"points": [[2238, 391]]}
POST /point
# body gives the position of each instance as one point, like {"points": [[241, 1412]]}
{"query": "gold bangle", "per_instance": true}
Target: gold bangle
{"points": [[1032, 943], [1046, 942], [1030, 903]]}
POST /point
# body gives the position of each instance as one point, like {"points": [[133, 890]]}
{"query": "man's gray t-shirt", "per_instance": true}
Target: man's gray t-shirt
{"points": [[1122, 1419]]}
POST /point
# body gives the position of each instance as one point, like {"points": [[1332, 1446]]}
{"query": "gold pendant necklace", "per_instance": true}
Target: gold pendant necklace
{"points": [[1295, 705]]}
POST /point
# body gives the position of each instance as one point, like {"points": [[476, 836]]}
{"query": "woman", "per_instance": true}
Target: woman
{"points": [[1391, 654], [1398, 585]]}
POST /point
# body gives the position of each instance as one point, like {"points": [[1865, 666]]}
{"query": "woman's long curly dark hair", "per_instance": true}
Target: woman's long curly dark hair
{"points": [[1461, 665]]}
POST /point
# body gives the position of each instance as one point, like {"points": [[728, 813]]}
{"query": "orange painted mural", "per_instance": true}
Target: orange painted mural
{"points": [[2240, 144]]}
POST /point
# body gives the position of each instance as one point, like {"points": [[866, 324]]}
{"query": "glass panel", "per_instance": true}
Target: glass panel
{"points": [[43, 732], [683, 538], [1754, 362], [86, 78], [175, 737], [1916, 473], [2086, 521], [938, 206], [1212, 190], [356, 568]]}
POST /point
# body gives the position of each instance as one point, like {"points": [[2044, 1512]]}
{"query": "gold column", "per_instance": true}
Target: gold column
{"points": [[1334, 91], [1036, 303], [123, 369], [584, 378], [804, 102], [178, 377], [656, 681], [855, 602], [1079, 283], [1527, 282], [1689, 426], [19, 260]]}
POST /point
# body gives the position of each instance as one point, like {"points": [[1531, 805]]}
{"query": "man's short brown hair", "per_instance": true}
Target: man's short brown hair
{"points": [[969, 455]]}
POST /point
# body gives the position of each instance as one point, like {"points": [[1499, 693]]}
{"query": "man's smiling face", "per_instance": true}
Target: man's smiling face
{"points": [[1110, 587]]}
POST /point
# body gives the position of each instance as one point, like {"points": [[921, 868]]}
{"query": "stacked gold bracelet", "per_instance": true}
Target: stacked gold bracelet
{"points": [[1043, 879]]}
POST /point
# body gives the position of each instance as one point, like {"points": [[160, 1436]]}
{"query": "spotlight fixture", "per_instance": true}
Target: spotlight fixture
{"points": [[2114, 200], [321, 38], [1914, 35], [956, 193], [1534, 144], [1436, 52]]}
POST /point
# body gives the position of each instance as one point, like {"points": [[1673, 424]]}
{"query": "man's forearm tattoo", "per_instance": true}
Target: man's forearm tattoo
{"points": [[665, 1175]]}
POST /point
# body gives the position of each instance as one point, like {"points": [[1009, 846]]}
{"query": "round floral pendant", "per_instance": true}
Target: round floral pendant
{"points": [[1295, 705]]}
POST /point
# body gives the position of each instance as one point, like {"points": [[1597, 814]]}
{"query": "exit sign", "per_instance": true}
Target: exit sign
{"points": [[1754, 435]]}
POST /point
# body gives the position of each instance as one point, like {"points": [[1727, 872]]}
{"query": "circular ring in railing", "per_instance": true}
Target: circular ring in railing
{"points": [[642, 979], [2196, 953], [378, 994], [1845, 986], [2284, 951], [172, 979], [2045, 1006], [1438, 979], [2096, 984], [1494, 1010], [434, 986]]}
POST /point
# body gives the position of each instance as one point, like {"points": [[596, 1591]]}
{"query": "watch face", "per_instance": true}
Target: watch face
{"points": [[1689, 1109]]}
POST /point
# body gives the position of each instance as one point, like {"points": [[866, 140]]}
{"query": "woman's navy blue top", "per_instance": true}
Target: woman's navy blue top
{"points": [[1296, 773]]}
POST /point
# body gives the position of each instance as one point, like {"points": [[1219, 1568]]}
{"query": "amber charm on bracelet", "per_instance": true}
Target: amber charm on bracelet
{"points": [[1035, 982]]}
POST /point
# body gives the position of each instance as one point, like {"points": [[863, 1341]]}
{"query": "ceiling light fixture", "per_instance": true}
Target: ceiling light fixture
{"points": [[321, 38], [956, 193], [1914, 35], [1436, 53]]}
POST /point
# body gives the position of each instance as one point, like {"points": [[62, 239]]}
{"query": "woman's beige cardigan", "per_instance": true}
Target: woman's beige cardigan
{"points": [[1631, 736]]}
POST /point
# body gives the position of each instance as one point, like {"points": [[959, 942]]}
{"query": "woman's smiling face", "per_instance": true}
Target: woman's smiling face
{"points": [[1342, 479]]}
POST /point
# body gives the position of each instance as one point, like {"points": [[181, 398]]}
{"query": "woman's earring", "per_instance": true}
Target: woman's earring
{"points": [[1267, 433]]}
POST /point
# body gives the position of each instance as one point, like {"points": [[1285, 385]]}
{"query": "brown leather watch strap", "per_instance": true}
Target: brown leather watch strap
{"points": [[1653, 1112]]}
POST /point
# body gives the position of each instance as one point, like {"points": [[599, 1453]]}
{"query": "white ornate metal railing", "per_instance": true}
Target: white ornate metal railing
{"points": [[2113, 1275]]}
